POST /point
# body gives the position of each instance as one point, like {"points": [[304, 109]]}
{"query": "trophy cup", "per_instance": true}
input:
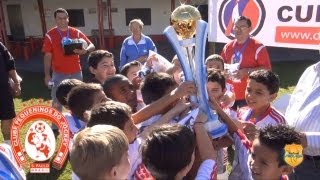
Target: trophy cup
{"points": [[186, 22]]}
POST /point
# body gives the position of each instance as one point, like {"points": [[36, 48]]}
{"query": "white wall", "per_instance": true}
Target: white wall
{"points": [[160, 14]]}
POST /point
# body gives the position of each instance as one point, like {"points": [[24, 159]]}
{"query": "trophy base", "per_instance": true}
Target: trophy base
{"points": [[216, 129]]}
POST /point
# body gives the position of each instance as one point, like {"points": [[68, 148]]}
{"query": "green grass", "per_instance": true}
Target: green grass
{"points": [[34, 88]]}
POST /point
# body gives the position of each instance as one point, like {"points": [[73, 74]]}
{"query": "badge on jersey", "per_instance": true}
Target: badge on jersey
{"points": [[293, 154]]}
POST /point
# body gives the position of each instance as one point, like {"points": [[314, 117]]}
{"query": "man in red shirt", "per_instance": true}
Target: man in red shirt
{"points": [[62, 66], [249, 53]]}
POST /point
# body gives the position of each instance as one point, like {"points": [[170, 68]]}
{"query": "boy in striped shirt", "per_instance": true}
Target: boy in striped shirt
{"points": [[262, 88]]}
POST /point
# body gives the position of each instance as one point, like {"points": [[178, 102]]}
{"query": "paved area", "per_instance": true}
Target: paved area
{"points": [[35, 63]]}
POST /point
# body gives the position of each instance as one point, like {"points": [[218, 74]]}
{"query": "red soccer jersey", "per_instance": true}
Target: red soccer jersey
{"points": [[254, 55], [52, 44]]}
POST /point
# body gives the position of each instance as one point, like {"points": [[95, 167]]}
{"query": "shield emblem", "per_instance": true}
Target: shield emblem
{"points": [[293, 154]]}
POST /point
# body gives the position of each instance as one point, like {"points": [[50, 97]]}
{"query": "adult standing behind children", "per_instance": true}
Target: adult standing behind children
{"points": [[63, 66], [303, 114], [7, 70], [248, 52], [136, 46]]}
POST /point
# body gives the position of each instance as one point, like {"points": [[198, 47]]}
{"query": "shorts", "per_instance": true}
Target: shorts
{"points": [[6, 103]]}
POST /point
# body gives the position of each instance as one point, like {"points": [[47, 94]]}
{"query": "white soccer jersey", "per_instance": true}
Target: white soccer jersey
{"points": [[271, 116]]}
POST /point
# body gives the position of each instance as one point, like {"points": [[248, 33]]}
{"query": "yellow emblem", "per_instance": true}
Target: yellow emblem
{"points": [[293, 154]]}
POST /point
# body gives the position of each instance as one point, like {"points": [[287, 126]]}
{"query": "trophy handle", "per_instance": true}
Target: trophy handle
{"points": [[172, 36], [214, 126]]}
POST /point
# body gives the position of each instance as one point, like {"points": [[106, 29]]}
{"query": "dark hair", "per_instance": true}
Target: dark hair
{"points": [[81, 98], [124, 70], [217, 76], [167, 150], [276, 137], [96, 56], [268, 78], [60, 10], [110, 113], [107, 85], [155, 85], [64, 88], [215, 57], [248, 21]]}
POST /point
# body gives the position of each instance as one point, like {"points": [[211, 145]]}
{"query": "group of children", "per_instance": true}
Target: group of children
{"points": [[125, 126]]}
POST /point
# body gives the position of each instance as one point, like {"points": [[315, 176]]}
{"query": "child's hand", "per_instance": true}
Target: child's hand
{"points": [[136, 82], [186, 88], [181, 106], [227, 100], [150, 59], [249, 129]]}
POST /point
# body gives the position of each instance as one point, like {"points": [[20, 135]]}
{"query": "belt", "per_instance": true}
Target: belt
{"points": [[307, 157]]}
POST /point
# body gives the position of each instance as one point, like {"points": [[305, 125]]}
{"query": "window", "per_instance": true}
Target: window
{"points": [[76, 17], [139, 13]]}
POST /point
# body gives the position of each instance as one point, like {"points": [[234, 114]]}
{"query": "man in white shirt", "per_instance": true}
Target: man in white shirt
{"points": [[303, 114]]}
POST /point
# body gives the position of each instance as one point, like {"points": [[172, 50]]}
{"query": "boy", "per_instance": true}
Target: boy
{"points": [[101, 65], [64, 88], [119, 88], [119, 115], [80, 100], [262, 88], [267, 160], [100, 152], [215, 62], [168, 152]]}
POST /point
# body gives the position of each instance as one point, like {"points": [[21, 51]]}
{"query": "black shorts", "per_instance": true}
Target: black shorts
{"points": [[6, 103]]}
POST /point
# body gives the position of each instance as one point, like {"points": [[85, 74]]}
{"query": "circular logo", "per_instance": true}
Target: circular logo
{"points": [[231, 9], [40, 142]]}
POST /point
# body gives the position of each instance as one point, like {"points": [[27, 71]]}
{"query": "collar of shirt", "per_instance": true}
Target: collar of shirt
{"points": [[142, 40]]}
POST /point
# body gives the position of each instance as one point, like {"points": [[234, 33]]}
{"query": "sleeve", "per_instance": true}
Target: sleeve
{"points": [[223, 53], [83, 36], [262, 57], [9, 60], [123, 57], [207, 170], [151, 45], [313, 139], [47, 44]]}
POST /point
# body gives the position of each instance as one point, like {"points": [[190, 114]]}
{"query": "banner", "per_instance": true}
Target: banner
{"points": [[282, 23]]}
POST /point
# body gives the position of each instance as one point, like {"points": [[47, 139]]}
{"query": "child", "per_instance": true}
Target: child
{"points": [[168, 152], [215, 62], [267, 160], [131, 70], [64, 88], [262, 89], [100, 152], [119, 88], [80, 100], [216, 87], [119, 115], [153, 87], [101, 65]]}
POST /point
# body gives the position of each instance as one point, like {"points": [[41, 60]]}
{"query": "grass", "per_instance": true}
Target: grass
{"points": [[34, 88]]}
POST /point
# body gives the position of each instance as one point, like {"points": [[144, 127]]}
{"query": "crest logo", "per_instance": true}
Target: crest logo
{"points": [[40, 143], [293, 154], [231, 9]]}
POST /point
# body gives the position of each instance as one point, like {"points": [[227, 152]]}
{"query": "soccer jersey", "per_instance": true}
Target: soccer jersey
{"points": [[75, 124], [9, 169], [240, 166], [207, 170], [254, 55], [271, 116], [134, 157]]}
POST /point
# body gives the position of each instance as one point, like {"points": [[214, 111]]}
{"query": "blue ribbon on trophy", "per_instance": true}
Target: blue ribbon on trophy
{"points": [[186, 22]]}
